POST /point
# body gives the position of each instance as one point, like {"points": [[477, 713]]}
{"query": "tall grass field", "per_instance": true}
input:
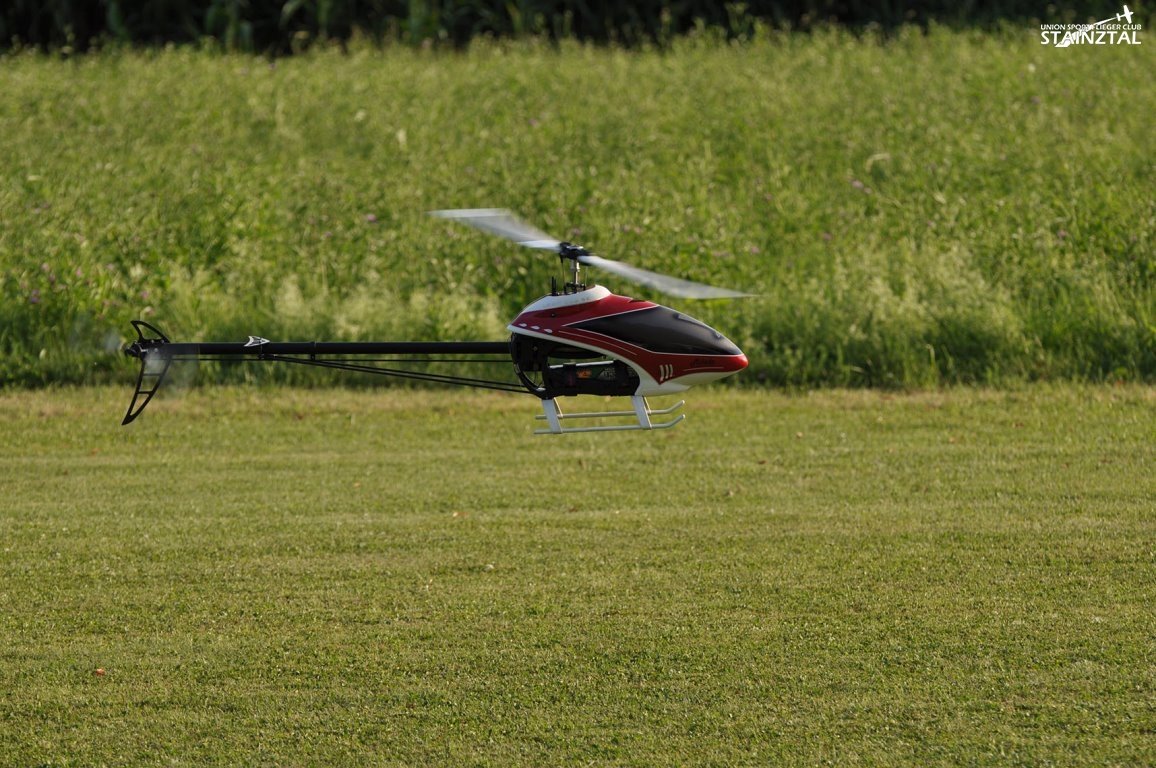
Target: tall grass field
{"points": [[260, 576], [914, 211]]}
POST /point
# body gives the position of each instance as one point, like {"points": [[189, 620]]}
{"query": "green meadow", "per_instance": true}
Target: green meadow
{"points": [[261, 576], [914, 211]]}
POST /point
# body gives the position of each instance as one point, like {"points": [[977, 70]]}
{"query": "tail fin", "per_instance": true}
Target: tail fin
{"points": [[154, 365]]}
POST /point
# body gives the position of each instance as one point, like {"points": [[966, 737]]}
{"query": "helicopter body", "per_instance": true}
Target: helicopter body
{"points": [[583, 340], [666, 351], [641, 349]]}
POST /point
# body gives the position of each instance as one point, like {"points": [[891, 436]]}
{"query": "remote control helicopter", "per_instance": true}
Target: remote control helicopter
{"points": [[578, 340]]}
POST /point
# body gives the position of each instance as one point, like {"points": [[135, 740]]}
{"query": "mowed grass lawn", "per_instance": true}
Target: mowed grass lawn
{"points": [[287, 577]]}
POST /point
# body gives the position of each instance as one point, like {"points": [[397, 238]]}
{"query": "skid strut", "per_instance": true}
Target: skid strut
{"points": [[641, 413]]}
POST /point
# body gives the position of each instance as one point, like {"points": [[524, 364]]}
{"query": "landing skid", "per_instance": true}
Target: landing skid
{"points": [[642, 412]]}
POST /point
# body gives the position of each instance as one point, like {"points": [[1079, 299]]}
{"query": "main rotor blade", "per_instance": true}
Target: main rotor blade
{"points": [[673, 286], [500, 222]]}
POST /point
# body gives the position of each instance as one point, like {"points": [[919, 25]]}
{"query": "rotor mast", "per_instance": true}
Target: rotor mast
{"points": [[574, 253]]}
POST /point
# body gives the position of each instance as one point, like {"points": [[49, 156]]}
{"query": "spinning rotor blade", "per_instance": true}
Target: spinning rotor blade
{"points": [[672, 286], [502, 223]]}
